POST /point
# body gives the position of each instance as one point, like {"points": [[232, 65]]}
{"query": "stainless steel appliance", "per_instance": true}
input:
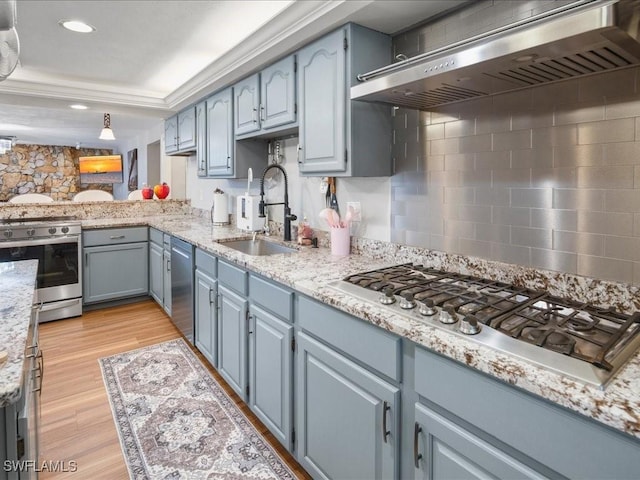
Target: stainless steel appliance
{"points": [[575, 339], [581, 38], [182, 287], [56, 244]]}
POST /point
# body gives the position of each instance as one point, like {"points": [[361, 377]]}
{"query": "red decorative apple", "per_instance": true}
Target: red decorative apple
{"points": [[147, 192], [161, 191]]}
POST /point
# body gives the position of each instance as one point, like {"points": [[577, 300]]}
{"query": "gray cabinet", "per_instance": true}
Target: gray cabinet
{"points": [[340, 137], [115, 264], [219, 127], [171, 135], [166, 274], [180, 136], [233, 318], [271, 357], [201, 133], [445, 450], [156, 273], [347, 420], [265, 103], [206, 303], [247, 105]]}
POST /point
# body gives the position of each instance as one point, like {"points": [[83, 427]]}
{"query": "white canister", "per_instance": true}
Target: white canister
{"points": [[220, 209]]}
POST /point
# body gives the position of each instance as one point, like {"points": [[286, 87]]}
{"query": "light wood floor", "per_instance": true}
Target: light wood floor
{"points": [[76, 421]]}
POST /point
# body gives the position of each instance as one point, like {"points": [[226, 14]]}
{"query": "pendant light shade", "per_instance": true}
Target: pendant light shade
{"points": [[107, 133]]}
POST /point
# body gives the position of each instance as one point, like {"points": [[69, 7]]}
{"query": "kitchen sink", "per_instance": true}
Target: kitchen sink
{"points": [[258, 247]]}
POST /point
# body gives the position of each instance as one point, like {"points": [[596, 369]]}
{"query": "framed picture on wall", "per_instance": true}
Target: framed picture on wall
{"points": [[132, 158]]}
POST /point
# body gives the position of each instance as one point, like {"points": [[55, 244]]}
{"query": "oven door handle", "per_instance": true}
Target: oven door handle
{"points": [[41, 241], [57, 305]]}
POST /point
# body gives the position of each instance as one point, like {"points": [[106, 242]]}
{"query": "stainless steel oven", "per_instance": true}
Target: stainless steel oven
{"points": [[56, 244]]}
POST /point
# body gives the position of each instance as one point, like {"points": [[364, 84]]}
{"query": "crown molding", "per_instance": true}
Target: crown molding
{"points": [[81, 92], [300, 23]]}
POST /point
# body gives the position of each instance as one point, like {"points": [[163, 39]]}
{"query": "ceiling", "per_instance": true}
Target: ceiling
{"points": [[148, 59]]}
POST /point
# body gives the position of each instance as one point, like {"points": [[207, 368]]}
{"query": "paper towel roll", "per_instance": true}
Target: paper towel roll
{"points": [[220, 209]]}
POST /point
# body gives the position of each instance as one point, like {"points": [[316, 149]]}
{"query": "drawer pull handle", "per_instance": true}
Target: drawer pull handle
{"points": [[117, 237], [385, 432], [417, 429]]}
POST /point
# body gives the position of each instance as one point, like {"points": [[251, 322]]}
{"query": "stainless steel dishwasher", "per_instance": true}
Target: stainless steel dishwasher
{"points": [[182, 287]]}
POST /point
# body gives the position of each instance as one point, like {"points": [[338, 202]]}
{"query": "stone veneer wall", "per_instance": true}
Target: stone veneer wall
{"points": [[47, 169]]}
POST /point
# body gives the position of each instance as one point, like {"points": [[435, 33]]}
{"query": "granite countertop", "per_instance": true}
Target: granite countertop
{"points": [[311, 270], [17, 284]]}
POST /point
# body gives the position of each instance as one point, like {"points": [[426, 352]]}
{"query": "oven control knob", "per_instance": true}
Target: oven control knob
{"points": [[448, 315], [8, 234], [407, 301], [65, 229], [427, 309], [469, 325], [52, 230], [31, 232], [388, 298]]}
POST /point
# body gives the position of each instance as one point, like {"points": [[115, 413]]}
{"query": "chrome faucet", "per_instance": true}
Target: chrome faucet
{"points": [[288, 216]]}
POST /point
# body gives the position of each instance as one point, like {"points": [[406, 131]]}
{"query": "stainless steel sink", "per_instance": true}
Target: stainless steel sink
{"points": [[258, 247]]}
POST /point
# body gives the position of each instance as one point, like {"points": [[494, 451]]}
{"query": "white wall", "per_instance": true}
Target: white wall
{"points": [[304, 195]]}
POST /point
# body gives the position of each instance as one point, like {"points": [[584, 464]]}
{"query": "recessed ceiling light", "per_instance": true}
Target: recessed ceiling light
{"points": [[79, 106], [77, 26]]}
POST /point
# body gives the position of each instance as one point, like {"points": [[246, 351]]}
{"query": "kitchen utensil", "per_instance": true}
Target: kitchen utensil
{"points": [[330, 216], [340, 241], [347, 218], [333, 203]]}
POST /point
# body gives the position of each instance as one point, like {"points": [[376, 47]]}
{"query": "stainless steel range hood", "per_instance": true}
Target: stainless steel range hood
{"points": [[581, 38]]}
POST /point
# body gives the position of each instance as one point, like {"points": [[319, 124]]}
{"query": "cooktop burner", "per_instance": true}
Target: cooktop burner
{"points": [[576, 339]]}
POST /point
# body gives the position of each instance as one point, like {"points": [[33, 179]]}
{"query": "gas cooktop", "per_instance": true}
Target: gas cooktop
{"points": [[576, 339]]}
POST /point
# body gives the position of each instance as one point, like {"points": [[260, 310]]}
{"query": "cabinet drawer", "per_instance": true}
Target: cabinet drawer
{"points": [[206, 262], [371, 345], [271, 296], [114, 236], [232, 277], [155, 236]]}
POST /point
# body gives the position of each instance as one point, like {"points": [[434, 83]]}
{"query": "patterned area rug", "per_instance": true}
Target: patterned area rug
{"points": [[176, 422]]}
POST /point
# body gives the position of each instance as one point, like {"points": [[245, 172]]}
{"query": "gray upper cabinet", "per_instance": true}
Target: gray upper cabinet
{"points": [[201, 132], [247, 105], [180, 135], [219, 120], [171, 135], [340, 137], [265, 103], [278, 94]]}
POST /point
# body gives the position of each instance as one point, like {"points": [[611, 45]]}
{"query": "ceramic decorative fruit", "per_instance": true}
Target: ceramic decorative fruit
{"points": [[161, 191], [147, 192]]}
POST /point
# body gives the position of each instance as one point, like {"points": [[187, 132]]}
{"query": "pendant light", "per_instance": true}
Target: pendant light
{"points": [[107, 133]]}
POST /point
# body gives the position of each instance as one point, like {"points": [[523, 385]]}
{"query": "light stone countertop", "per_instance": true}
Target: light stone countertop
{"points": [[311, 270], [17, 284]]}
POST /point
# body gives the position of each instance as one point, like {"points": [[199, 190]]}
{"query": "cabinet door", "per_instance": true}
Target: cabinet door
{"points": [[156, 273], [206, 291], [278, 94], [347, 417], [322, 90], [171, 134], [187, 129], [166, 281], [115, 271], [247, 102], [232, 340], [220, 134], [201, 135], [444, 450], [270, 371]]}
